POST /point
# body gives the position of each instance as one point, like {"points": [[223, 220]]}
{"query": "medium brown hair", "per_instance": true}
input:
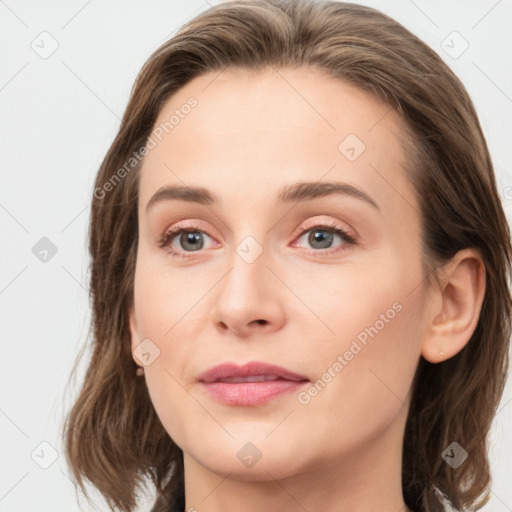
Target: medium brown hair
{"points": [[113, 436]]}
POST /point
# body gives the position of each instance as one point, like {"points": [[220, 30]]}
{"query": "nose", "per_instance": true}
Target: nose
{"points": [[248, 300]]}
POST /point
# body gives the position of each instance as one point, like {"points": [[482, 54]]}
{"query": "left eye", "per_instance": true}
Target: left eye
{"points": [[322, 237]]}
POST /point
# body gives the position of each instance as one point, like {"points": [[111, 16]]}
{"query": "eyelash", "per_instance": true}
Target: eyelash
{"points": [[168, 236]]}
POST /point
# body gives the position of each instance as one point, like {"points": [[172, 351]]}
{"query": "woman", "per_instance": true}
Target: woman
{"points": [[300, 274]]}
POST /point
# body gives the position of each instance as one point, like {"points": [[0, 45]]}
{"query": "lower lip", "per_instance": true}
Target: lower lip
{"points": [[250, 393]]}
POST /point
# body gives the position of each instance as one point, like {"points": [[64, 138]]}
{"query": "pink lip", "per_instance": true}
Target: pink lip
{"points": [[218, 382]]}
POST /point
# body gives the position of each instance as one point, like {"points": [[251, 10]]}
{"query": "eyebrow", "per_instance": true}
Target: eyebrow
{"points": [[291, 193]]}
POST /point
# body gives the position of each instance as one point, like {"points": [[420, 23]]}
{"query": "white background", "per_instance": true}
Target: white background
{"points": [[59, 116]]}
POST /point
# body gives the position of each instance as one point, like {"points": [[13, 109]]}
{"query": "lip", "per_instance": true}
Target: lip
{"points": [[254, 383]]}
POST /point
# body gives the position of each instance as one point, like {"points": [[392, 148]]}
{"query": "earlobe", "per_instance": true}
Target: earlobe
{"points": [[461, 294]]}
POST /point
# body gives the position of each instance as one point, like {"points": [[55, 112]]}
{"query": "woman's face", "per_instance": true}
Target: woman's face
{"points": [[258, 281]]}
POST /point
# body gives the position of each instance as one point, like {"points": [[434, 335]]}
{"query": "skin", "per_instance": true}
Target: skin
{"points": [[250, 135]]}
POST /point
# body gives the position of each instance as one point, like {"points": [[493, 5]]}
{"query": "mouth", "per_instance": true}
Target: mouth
{"points": [[253, 384], [254, 378]]}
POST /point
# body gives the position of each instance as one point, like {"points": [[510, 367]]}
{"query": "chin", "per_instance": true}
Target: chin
{"points": [[248, 458], [269, 467]]}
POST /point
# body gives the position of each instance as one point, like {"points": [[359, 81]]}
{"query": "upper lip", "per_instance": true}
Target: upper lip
{"points": [[255, 368]]}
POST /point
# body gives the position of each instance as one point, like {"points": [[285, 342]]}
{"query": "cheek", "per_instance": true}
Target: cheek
{"points": [[168, 300], [365, 371], [171, 314], [372, 309]]}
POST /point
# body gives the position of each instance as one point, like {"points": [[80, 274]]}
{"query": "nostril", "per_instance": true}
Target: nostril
{"points": [[262, 322]]}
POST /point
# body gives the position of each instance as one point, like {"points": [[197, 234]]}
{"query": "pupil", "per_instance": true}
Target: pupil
{"points": [[324, 240], [191, 238]]}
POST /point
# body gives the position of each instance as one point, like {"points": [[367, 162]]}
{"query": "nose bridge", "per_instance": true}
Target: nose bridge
{"points": [[245, 283], [249, 254], [247, 296]]}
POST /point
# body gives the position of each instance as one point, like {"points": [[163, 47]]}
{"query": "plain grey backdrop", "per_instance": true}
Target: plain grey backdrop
{"points": [[67, 70]]}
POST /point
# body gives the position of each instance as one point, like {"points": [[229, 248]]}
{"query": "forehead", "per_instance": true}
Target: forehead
{"points": [[273, 127]]}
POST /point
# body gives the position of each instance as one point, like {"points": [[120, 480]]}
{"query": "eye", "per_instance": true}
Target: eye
{"points": [[187, 240], [322, 236]]}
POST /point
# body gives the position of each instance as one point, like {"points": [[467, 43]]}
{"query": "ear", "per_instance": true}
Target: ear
{"points": [[456, 307], [134, 331]]}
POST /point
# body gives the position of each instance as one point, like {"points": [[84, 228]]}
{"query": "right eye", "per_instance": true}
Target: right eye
{"points": [[188, 239]]}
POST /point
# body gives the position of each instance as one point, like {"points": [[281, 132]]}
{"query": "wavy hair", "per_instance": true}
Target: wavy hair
{"points": [[113, 437]]}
